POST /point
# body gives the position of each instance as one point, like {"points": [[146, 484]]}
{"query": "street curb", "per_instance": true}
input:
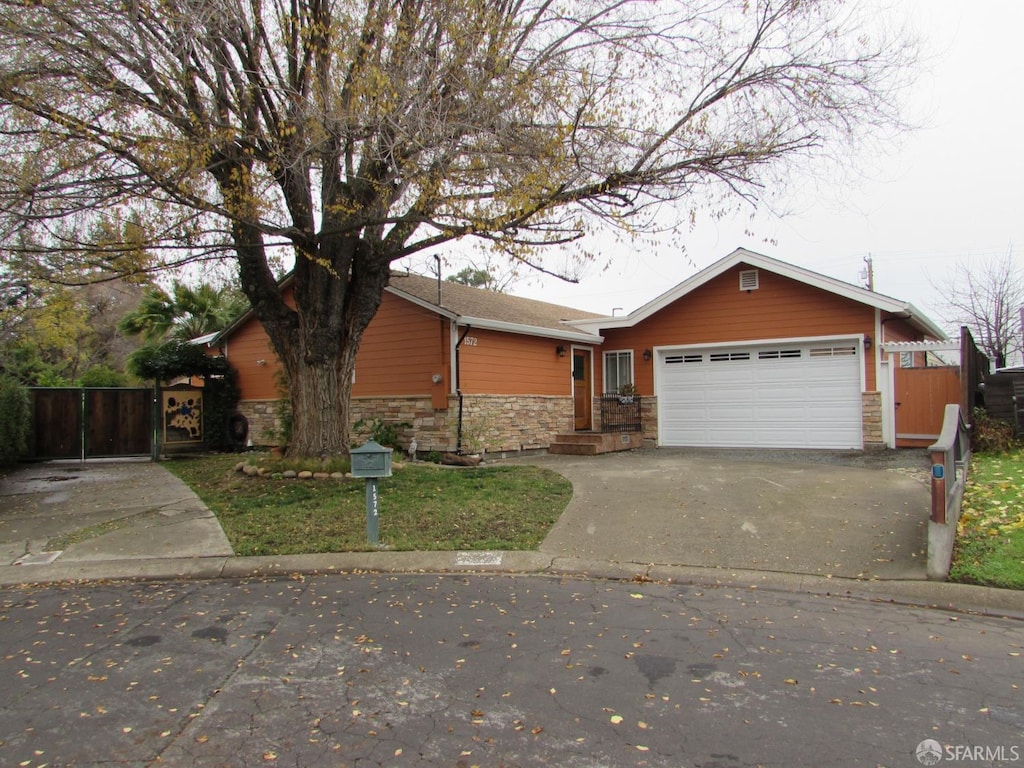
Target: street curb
{"points": [[959, 598]]}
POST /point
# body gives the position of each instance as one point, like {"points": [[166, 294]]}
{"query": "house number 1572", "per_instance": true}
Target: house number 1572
{"points": [[469, 341]]}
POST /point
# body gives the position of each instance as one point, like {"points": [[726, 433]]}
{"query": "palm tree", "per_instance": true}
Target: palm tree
{"points": [[185, 313]]}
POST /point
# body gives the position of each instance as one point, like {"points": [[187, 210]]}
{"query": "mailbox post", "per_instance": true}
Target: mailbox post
{"points": [[372, 461]]}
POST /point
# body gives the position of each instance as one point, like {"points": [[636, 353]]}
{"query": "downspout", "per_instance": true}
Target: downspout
{"points": [[458, 388]]}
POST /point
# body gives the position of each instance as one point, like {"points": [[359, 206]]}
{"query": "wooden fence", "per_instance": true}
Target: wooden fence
{"points": [[86, 423]]}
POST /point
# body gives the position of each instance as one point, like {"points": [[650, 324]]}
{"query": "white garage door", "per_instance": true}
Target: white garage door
{"points": [[804, 395]]}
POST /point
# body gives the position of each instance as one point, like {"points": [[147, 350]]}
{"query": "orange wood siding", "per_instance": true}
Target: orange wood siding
{"points": [[403, 347], [899, 330], [719, 312], [513, 364], [896, 329], [244, 347]]}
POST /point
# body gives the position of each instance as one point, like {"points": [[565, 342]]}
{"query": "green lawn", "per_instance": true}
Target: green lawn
{"points": [[990, 541], [422, 507]]}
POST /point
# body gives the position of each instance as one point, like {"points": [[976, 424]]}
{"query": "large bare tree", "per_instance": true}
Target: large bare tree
{"points": [[988, 297], [352, 133]]}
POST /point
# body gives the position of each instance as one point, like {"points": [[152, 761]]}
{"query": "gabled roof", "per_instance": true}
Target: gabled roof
{"points": [[742, 256], [488, 309], [474, 307]]}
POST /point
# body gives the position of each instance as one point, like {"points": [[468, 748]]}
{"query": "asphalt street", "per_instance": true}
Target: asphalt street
{"points": [[495, 670]]}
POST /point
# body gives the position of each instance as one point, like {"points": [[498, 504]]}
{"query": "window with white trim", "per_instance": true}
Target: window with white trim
{"points": [[618, 370]]}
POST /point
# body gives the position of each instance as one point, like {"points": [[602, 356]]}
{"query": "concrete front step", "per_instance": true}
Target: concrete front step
{"points": [[594, 443], [573, 449]]}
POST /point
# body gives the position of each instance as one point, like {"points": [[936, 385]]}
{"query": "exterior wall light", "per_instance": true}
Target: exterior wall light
{"points": [[560, 350]]}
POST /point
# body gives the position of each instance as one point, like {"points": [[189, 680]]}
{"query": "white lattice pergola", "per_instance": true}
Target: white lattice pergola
{"points": [[920, 346]]}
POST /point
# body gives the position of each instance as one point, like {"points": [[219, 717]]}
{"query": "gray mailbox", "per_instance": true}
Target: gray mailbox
{"points": [[371, 460]]}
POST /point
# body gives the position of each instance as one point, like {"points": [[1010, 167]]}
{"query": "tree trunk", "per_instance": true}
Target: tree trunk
{"points": [[338, 283], [318, 351], [320, 393]]}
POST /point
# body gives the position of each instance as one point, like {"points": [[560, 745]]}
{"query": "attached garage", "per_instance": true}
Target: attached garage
{"points": [[752, 352], [803, 394]]}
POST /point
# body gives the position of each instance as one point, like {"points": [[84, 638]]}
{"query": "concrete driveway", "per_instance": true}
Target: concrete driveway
{"points": [[128, 510], [851, 515], [861, 515]]}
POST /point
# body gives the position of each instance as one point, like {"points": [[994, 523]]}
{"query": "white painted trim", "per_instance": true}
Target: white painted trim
{"points": [[887, 376], [658, 368], [453, 340], [604, 364], [885, 384], [572, 382], [530, 330], [421, 302], [569, 334], [857, 337], [759, 261]]}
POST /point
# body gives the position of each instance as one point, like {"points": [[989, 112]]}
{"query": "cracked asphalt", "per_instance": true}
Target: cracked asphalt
{"points": [[493, 670]]}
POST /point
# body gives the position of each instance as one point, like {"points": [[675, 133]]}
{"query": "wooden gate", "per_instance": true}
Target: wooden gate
{"points": [[921, 398], [77, 423]]}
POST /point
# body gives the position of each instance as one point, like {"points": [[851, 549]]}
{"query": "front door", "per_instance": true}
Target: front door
{"points": [[581, 392]]}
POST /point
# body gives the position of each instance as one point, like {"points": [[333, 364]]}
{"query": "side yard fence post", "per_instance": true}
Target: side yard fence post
{"points": [[950, 457]]}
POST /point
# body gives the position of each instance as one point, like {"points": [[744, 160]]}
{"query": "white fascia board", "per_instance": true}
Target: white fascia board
{"points": [[708, 273], [918, 318], [529, 330], [201, 340], [422, 303], [569, 334], [743, 256]]}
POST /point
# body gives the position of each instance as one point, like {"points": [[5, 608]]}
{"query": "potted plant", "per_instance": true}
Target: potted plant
{"points": [[627, 392]]}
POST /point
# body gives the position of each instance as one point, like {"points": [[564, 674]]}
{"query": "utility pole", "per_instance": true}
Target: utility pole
{"points": [[869, 272]]}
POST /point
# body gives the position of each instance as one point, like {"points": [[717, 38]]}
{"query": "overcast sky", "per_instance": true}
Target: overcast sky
{"points": [[950, 192]]}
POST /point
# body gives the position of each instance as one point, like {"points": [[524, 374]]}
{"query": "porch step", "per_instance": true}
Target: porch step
{"points": [[594, 443], [573, 449]]}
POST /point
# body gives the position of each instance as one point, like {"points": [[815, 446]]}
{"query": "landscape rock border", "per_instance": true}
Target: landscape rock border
{"points": [[251, 470]]}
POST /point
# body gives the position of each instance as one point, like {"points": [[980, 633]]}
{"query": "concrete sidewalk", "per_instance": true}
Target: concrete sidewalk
{"points": [[811, 523]]}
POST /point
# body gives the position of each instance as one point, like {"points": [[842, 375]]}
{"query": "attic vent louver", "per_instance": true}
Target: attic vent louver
{"points": [[748, 280]]}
